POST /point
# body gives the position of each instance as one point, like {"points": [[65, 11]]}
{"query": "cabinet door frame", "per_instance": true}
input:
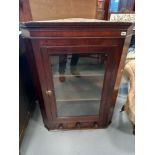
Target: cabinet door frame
{"points": [[109, 80]]}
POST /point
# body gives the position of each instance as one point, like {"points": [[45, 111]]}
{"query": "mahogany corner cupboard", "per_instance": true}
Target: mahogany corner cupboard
{"points": [[77, 67]]}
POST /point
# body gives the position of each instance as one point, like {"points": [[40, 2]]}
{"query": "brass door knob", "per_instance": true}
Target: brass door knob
{"points": [[49, 92]]}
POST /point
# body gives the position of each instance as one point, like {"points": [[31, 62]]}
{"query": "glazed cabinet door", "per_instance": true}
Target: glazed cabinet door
{"points": [[77, 82]]}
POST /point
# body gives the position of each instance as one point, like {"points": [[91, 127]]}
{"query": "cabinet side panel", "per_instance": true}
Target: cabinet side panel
{"points": [[121, 67]]}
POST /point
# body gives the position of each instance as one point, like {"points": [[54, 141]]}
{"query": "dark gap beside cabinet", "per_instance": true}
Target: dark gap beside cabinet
{"points": [[26, 90]]}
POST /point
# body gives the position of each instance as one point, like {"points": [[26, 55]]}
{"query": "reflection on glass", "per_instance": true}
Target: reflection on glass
{"points": [[78, 81]]}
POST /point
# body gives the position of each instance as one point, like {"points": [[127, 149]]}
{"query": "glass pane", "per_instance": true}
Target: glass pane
{"points": [[126, 5], [114, 5], [78, 82], [121, 5]]}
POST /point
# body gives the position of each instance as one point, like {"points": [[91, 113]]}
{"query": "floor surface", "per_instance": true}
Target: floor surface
{"points": [[117, 139]]}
